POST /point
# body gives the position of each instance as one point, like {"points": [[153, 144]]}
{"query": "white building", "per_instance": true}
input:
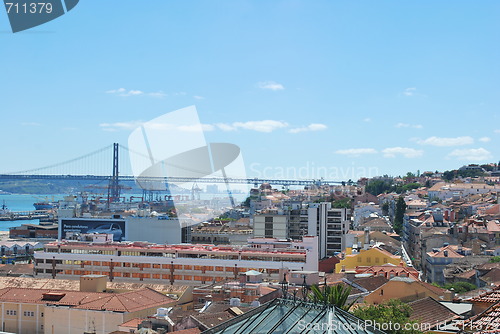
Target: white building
{"points": [[330, 226], [184, 264], [159, 229]]}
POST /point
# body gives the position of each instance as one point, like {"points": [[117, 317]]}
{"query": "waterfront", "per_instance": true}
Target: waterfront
{"points": [[23, 202]]}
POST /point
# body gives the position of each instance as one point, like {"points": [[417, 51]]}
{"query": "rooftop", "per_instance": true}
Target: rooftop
{"points": [[120, 302], [430, 312], [289, 316], [195, 248]]}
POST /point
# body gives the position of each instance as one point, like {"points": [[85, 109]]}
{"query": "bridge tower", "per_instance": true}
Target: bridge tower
{"points": [[114, 188]]}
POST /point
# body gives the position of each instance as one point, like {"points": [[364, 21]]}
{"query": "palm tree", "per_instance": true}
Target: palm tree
{"points": [[336, 295]]}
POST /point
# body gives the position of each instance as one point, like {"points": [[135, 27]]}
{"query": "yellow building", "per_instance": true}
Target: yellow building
{"points": [[37, 311], [371, 257], [406, 289]]}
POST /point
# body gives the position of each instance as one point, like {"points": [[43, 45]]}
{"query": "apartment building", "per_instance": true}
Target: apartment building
{"points": [[50, 311], [184, 264], [289, 222], [330, 225]]}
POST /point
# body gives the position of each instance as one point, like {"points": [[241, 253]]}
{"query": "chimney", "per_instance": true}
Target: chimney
{"points": [[367, 236], [445, 253], [449, 295]]}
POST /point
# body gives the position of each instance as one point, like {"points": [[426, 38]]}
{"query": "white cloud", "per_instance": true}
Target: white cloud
{"points": [[120, 126], [444, 141], [497, 131], [367, 119], [135, 92], [310, 127], [159, 94], [471, 154], [484, 139], [406, 125], [225, 127], [261, 126], [355, 152], [196, 128], [392, 152], [410, 91], [116, 91], [271, 85], [198, 97]]}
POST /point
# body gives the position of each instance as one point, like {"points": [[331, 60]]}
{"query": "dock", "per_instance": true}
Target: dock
{"points": [[25, 215]]}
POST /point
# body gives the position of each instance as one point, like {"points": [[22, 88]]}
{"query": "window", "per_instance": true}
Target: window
{"points": [[11, 312], [359, 258], [41, 315], [29, 314]]}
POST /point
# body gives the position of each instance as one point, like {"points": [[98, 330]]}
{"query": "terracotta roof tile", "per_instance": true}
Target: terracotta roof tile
{"points": [[430, 312], [120, 302], [487, 320], [492, 296]]}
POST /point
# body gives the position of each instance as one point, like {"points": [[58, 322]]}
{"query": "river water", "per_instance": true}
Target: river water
{"points": [[17, 202]]}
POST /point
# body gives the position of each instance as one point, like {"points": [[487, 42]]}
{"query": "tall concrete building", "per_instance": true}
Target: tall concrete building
{"points": [[330, 225]]}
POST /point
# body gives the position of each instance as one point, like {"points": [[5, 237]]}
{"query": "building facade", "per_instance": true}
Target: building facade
{"points": [[330, 225], [177, 264]]}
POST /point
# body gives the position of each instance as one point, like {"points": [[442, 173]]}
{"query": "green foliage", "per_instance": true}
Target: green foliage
{"points": [[342, 203], [449, 175], [246, 203], [385, 209], [399, 214], [494, 259], [377, 187], [393, 311], [460, 287], [333, 295], [406, 187]]}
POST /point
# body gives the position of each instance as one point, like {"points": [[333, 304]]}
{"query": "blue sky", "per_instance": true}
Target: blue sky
{"points": [[306, 88]]}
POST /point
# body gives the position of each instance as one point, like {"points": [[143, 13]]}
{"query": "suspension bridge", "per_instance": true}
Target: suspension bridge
{"points": [[96, 166]]}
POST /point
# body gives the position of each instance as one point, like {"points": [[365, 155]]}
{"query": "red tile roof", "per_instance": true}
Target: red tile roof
{"points": [[492, 296], [120, 302], [487, 320], [451, 253], [430, 312]]}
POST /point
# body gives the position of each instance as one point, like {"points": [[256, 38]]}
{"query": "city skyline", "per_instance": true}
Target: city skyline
{"points": [[306, 90]]}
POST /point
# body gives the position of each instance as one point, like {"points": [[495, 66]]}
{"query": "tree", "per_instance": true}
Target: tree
{"points": [[460, 287], [385, 209], [494, 259], [399, 214], [392, 312], [342, 203], [449, 175], [336, 295]]}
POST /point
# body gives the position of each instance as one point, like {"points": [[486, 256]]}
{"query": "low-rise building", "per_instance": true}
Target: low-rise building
{"points": [[183, 264], [372, 256], [406, 289], [36, 311]]}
